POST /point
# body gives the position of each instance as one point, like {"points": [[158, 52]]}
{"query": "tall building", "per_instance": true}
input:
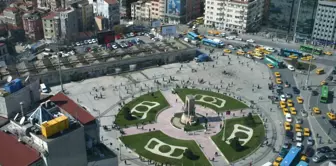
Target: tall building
{"points": [[182, 11], [148, 9], [240, 15], [85, 14], [50, 4], [125, 8], [61, 23], [109, 9], [292, 18], [12, 16], [324, 31], [32, 25]]}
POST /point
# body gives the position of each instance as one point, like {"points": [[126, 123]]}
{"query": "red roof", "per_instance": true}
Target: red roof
{"points": [[72, 108], [99, 17], [13, 9], [112, 2], [12, 152], [51, 15]]}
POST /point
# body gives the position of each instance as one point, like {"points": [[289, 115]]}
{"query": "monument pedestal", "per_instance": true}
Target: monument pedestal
{"points": [[189, 116]]}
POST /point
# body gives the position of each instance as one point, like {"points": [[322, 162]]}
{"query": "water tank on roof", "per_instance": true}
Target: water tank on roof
{"points": [[18, 84], [10, 87]]}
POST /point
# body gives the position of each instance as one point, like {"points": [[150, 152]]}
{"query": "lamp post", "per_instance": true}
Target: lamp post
{"points": [[307, 80], [60, 70]]}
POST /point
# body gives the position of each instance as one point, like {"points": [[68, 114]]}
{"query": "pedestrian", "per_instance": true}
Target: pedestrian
{"points": [[176, 100], [125, 161]]}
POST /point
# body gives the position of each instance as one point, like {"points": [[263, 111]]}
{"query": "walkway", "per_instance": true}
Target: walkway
{"points": [[202, 138]]}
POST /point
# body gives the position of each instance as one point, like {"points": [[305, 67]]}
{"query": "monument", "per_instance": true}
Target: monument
{"points": [[189, 115]]}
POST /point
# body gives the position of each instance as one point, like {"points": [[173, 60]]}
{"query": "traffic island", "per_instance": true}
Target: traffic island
{"points": [[141, 110], [215, 101], [242, 137], [162, 149]]}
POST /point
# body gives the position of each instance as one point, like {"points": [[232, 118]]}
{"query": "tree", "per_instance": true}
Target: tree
{"points": [[249, 119], [190, 155], [127, 114], [235, 144], [119, 29]]}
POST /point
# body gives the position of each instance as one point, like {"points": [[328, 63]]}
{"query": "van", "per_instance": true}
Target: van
{"points": [[267, 164], [43, 88]]}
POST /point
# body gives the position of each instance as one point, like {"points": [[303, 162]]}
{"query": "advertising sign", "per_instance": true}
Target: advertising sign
{"points": [[168, 30], [174, 7], [105, 37], [156, 23]]}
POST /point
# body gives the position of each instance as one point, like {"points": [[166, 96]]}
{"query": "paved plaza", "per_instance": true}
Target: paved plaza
{"points": [[102, 97]]}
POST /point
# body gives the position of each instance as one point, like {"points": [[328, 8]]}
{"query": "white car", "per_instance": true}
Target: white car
{"points": [[298, 136], [290, 67], [114, 46], [231, 37], [78, 43], [299, 144], [71, 52], [250, 41], [94, 40], [239, 39], [288, 117], [283, 98], [186, 39], [310, 141], [90, 41]]}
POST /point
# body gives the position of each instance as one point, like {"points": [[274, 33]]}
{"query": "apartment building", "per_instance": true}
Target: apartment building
{"points": [[32, 25], [237, 15], [109, 9], [50, 4], [12, 16], [148, 9], [61, 23], [85, 14], [324, 31]]}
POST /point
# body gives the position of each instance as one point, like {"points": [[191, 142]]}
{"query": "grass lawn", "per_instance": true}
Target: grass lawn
{"points": [[138, 142], [303, 65], [257, 138], [158, 97], [231, 103]]}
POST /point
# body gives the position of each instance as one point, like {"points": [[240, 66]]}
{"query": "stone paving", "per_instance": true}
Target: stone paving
{"points": [[244, 76]]}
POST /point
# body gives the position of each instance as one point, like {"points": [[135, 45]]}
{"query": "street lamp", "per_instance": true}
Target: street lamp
{"points": [[60, 70]]}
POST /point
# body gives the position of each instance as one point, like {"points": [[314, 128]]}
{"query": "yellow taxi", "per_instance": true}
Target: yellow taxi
{"points": [[278, 81], [316, 110], [309, 57], [277, 161], [304, 157], [270, 66], [323, 82], [250, 52], [292, 110], [305, 59], [328, 53], [283, 104], [331, 116], [285, 111], [306, 132], [290, 103], [319, 71], [266, 52], [298, 128], [287, 126], [227, 51], [240, 53], [299, 99], [292, 57], [277, 74]]}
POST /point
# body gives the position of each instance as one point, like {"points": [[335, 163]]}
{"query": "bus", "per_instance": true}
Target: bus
{"points": [[311, 49], [324, 94], [287, 52], [274, 61], [193, 36], [213, 43], [292, 155]]}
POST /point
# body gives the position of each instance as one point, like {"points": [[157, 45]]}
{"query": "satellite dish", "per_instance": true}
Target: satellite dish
{"points": [[9, 78]]}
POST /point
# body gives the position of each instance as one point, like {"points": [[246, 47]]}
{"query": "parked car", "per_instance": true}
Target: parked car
{"points": [[78, 43], [333, 123], [331, 155], [298, 120], [296, 90], [330, 78], [310, 141], [319, 157], [230, 37], [304, 113], [250, 41], [324, 149]]}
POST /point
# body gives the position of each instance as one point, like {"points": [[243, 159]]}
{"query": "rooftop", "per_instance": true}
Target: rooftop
{"points": [[10, 147], [12, 9], [51, 15], [112, 2], [72, 108]]}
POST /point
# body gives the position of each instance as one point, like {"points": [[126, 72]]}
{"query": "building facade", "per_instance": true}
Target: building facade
{"points": [[3, 52], [109, 9], [50, 4], [32, 25], [182, 11], [237, 16], [51, 26], [292, 18], [148, 10], [324, 31], [12, 16]]}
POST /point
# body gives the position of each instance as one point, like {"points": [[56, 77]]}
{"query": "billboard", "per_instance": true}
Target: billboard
{"points": [[174, 7], [168, 30], [105, 37], [156, 23]]}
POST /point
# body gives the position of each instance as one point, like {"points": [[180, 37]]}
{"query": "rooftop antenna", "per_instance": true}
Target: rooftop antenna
{"points": [[9, 78]]}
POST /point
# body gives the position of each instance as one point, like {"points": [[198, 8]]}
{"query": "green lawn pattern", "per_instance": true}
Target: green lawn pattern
{"points": [[158, 97], [139, 141], [255, 141], [231, 103]]}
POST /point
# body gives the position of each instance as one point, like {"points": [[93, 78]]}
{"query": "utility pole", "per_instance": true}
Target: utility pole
{"points": [[307, 80], [60, 71], [296, 20]]}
